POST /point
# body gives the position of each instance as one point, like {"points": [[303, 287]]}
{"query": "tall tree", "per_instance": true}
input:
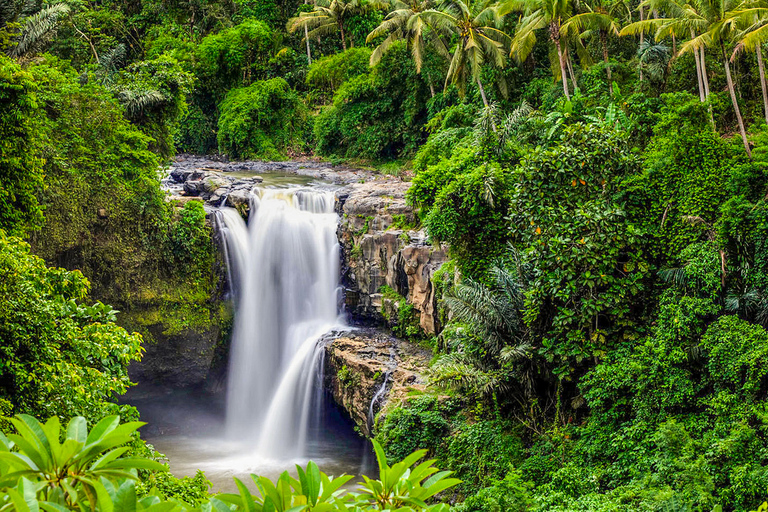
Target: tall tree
{"points": [[537, 15], [330, 16], [478, 39], [406, 21], [709, 25], [600, 19], [750, 20]]}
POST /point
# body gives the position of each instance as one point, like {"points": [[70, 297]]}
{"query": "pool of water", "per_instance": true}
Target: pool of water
{"points": [[188, 428]]}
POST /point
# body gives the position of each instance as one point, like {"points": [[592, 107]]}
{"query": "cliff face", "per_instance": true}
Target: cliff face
{"points": [[380, 248], [366, 370]]}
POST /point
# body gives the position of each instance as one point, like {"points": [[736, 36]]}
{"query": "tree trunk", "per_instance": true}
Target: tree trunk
{"points": [[642, 38], [554, 34], [698, 71], [704, 78], [306, 38], [343, 39], [570, 70], [732, 91], [762, 80], [604, 42], [482, 91], [563, 72]]}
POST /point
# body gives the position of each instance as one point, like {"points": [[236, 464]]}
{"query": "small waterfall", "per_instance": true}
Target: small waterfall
{"points": [[375, 400], [287, 299]]}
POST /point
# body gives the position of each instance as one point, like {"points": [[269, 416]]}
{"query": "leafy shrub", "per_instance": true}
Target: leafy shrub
{"points": [[420, 425], [329, 72], [262, 121], [234, 57], [586, 259], [19, 158], [58, 356], [512, 494], [89, 470], [377, 115]]}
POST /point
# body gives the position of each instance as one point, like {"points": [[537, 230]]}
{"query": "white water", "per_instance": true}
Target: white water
{"points": [[287, 283], [375, 400]]}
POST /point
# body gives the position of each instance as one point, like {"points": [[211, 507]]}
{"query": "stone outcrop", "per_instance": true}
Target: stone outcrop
{"points": [[380, 247], [365, 364]]}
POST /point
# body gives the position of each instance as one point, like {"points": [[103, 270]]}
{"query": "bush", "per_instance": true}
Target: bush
{"points": [[264, 120], [58, 356], [328, 73], [419, 425], [234, 57], [20, 159], [378, 115]]}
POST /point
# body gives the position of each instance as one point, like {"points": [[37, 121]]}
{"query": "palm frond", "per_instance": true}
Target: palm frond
{"points": [[39, 27]]}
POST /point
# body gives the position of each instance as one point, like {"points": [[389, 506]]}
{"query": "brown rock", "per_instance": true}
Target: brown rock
{"points": [[358, 363]]}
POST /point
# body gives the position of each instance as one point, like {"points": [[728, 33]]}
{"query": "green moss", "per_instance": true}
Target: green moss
{"points": [[347, 378], [407, 323]]}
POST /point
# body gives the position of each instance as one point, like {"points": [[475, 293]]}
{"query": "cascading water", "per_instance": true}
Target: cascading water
{"points": [[287, 272]]}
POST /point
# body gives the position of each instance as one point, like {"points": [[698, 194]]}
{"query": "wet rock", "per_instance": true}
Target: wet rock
{"points": [[359, 362]]}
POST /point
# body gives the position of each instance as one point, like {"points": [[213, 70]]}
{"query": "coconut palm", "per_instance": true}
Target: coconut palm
{"points": [[676, 25], [750, 21], [600, 19], [328, 17], [537, 15], [710, 26], [478, 40], [406, 21]]}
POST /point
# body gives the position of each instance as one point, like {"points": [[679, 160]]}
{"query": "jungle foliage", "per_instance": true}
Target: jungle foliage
{"points": [[598, 170]]}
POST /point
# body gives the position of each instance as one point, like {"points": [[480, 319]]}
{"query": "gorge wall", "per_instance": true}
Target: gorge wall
{"points": [[381, 247]]}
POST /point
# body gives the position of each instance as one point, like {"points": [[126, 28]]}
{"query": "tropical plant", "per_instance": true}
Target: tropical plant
{"points": [[750, 20], [69, 473], [487, 334], [39, 28], [478, 40], [330, 16], [600, 19], [90, 471], [406, 21], [709, 25], [537, 15], [399, 487]]}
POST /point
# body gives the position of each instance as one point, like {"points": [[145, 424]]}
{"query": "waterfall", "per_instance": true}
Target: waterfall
{"points": [[288, 271], [375, 401]]}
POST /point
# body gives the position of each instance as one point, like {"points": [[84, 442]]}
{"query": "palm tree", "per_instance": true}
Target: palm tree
{"points": [[600, 19], [328, 17], [709, 25], [676, 26], [486, 336], [406, 21], [536, 15], [750, 20], [38, 28], [478, 40]]}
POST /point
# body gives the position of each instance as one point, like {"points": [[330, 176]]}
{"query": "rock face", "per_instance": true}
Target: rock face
{"points": [[174, 360], [367, 370], [378, 249]]}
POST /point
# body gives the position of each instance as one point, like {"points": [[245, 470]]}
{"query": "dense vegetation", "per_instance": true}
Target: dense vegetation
{"points": [[598, 168]]}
